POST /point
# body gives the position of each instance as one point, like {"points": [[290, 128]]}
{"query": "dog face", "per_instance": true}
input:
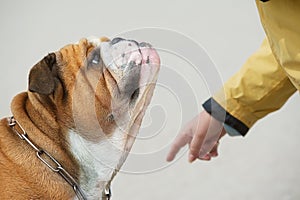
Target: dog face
{"points": [[97, 86]]}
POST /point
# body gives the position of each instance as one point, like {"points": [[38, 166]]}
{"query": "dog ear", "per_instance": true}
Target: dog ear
{"points": [[42, 77]]}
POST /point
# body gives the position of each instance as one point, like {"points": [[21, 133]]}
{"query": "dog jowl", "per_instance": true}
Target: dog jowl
{"points": [[84, 106]]}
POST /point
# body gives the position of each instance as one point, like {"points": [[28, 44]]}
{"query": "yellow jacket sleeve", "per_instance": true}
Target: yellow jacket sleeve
{"points": [[269, 77], [259, 88]]}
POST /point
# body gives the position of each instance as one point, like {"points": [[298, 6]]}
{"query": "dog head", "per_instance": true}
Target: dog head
{"points": [[97, 86], [111, 80]]}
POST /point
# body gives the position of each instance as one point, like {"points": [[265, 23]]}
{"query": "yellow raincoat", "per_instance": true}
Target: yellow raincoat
{"points": [[270, 76]]}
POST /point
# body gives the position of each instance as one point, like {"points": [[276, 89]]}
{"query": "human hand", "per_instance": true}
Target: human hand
{"points": [[202, 134]]}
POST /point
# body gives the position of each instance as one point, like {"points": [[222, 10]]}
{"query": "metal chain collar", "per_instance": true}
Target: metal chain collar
{"points": [[55, 166]]}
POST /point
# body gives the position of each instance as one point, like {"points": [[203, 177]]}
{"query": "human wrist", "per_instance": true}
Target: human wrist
{"points": [[232, 125]]}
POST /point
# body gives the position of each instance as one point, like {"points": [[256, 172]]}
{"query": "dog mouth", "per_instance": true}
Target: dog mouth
{"points": [[132, 67]]}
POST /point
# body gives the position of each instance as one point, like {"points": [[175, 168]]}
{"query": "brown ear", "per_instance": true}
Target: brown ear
{"points": [[42, 77]]}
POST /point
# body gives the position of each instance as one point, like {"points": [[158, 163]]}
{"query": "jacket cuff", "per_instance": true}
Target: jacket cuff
{"points": [[220, 114], [231, 131]]}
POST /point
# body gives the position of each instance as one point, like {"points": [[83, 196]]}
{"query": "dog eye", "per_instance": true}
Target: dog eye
{"points": [[94, 58]]}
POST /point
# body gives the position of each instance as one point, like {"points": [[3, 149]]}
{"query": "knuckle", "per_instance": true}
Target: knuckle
{"points": [[199, 136]]}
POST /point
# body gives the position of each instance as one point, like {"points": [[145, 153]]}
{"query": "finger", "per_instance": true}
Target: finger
{"points": [[199, 135], [214, 151], [207, 157], [180, 141], [214, 132], [195, 146]]}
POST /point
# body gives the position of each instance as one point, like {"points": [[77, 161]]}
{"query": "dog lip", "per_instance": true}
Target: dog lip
{"points": [[122, 60], [133, 52]]}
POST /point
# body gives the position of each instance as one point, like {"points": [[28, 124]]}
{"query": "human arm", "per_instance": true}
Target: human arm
{"points": [[259, 88]]}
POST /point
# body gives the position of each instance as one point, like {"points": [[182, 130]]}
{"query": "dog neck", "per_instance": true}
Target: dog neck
{"points": [[47, 135], [93, 164], [97, 161]]}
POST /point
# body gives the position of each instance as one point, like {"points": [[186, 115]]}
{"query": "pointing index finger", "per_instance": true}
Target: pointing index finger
{"points": [[180, 141]]}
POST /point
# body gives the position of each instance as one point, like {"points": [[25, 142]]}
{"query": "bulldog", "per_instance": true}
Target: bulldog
{"points": [[72, 130]]}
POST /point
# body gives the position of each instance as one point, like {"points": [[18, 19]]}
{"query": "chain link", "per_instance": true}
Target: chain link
{"points": [[55, 166]]}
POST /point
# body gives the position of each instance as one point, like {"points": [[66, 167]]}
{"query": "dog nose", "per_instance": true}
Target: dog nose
{"points": [[135, 42], [145, 44], [116, 40]]}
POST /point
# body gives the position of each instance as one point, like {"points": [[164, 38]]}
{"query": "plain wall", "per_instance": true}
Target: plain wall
{"points": [[263, 165]]}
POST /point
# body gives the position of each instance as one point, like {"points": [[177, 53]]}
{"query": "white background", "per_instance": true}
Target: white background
{"points": [[264, 165]]}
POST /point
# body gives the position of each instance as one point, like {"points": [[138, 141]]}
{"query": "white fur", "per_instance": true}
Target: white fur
{"points": [[97, 161], [94, 40]]}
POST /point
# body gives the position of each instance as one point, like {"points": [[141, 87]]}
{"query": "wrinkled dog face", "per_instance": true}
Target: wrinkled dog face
{"points": [[90, 98], [103, 85]]}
